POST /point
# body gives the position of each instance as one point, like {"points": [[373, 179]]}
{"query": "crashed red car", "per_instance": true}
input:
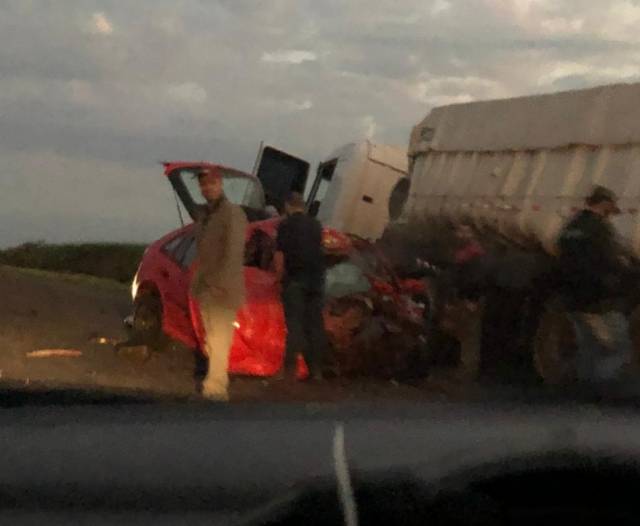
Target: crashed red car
{"points": [[360, 288]]}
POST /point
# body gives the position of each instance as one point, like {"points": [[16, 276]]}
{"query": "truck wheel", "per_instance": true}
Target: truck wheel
{"points": [[464, 322], [147, 321], [555, 345]]}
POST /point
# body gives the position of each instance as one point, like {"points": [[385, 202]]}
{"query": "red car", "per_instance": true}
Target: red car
{"points": [[163, 306]]}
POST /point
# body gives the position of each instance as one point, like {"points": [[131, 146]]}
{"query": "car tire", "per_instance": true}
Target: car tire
{"points": [[146, 327]]}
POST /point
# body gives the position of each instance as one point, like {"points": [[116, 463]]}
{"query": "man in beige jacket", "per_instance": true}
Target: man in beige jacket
{"points": [[218, 284]]}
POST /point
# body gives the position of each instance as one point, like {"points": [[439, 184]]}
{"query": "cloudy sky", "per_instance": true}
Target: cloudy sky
{"points": [[94, 93]]}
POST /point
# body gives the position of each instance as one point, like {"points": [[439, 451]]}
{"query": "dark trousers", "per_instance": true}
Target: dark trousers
{"points": [[303, 304]]}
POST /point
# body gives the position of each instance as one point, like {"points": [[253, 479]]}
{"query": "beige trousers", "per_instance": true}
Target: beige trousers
{"points": [[218, 327]]}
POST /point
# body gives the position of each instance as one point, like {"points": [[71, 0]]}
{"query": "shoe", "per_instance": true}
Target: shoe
{"points": [[215, 395]]}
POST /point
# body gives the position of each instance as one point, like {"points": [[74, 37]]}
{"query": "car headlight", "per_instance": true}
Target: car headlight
{"points": [[134, 287]]}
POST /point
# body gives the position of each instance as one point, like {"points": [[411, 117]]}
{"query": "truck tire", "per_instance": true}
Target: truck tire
{"points": [[555, 345], [463, 322]]}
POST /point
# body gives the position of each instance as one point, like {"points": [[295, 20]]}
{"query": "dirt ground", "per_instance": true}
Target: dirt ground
{"points": [[41, 310]]}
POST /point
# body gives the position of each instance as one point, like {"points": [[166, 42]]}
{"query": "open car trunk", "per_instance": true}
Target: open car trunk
{"points": [[277, 175]]}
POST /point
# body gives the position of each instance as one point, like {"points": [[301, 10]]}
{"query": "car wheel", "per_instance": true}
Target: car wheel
{"points": [[147, 321]]}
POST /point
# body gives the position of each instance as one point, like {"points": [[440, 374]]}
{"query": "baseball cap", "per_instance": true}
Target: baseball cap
{"points": [[602, 193]]}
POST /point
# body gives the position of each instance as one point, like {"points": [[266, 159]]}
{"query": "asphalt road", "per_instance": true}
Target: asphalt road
{"points": [[46, 311]]}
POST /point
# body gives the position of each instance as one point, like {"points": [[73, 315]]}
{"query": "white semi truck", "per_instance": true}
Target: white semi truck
{"points": [[350, 190], [517, 170]]}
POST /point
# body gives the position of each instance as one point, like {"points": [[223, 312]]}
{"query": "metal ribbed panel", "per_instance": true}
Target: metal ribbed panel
{"points": [[526, 195]]}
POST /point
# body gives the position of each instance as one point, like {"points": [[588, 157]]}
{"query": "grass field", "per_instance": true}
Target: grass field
{"points": [[115, 261]]}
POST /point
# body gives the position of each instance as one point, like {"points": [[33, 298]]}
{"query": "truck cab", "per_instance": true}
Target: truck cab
{"points": [[352, 187]]}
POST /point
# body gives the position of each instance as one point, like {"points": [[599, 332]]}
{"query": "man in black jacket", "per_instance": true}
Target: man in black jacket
{"points": [[300, 264], [592, 267]]}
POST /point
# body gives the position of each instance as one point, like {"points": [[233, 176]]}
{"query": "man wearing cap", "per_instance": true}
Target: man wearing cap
{"points": [[300, 264], [592, 264], [218, 283]]}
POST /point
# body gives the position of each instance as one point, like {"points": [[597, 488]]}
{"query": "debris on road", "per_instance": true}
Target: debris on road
{"points": [[140, 352], [103, 340], [54, 353]]}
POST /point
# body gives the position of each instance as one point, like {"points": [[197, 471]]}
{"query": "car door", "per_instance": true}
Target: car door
{"points": [[258, 342], [258, 346], [175, 275], [280, 173]]}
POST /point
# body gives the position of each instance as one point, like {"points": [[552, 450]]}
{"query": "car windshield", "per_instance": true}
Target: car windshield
{"points": [[422, 203]]}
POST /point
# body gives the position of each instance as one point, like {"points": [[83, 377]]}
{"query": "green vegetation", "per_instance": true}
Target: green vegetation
{"points": [[6, 272], [116, 261]]}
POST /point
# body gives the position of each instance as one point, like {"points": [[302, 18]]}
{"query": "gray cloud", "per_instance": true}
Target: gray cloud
{"points": [[93, 93]]}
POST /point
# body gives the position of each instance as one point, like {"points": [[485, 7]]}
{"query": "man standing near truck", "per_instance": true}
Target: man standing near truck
{"points": [[592, 270], [300, 264], [218, 284]]}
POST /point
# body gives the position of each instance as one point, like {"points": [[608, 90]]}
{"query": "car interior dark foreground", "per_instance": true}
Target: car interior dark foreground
{"points": [[558, 488], [104, 460]]}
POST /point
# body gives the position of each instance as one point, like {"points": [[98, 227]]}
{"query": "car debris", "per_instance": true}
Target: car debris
{"points": [[103, 340], [137, 352], [54, 353]]}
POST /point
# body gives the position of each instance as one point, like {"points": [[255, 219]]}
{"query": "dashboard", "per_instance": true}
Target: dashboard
{"points": [[200, 463]]}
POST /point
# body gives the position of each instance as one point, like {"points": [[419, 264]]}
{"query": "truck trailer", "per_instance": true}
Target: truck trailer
{"points": [[517, 170]]}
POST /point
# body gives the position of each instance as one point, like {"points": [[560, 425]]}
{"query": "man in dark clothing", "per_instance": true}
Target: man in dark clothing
{"points": [[592, 265], [300, 264]]}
